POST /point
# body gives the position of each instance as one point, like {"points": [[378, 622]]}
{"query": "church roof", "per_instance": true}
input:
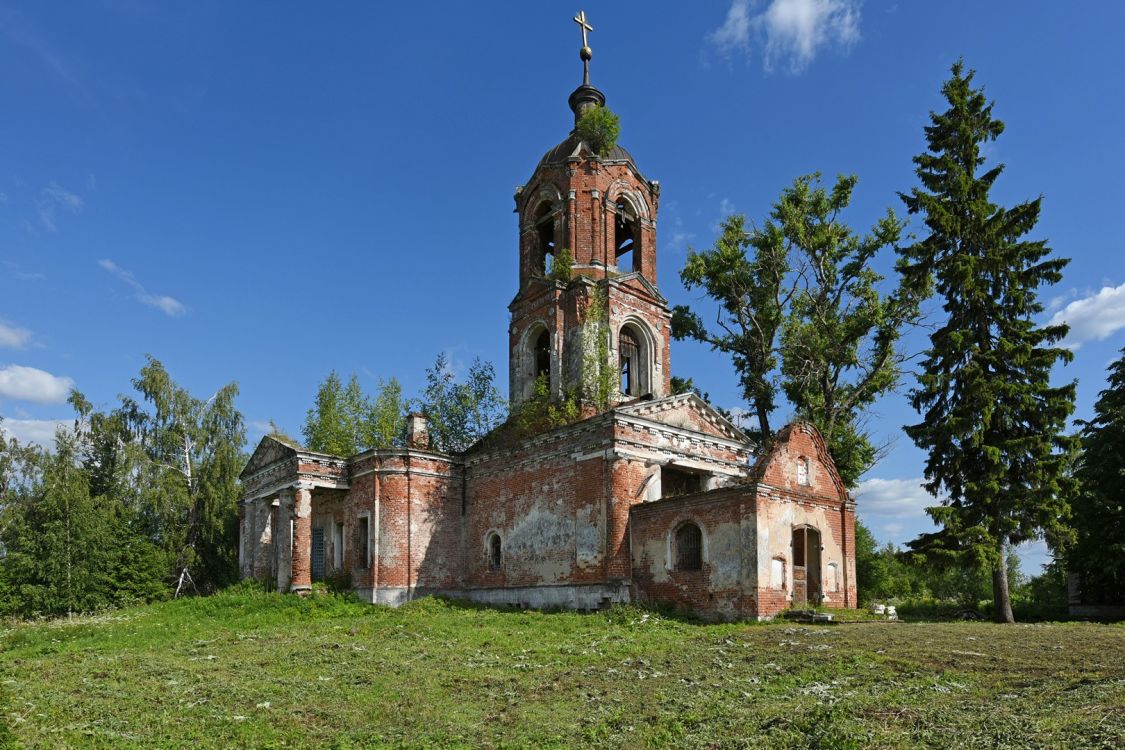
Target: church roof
{"points": [[572, 146]]}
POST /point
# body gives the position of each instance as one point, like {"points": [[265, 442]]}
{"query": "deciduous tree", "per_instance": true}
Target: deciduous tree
{"points": [[801, 310], [187, 454], [460, 413]]}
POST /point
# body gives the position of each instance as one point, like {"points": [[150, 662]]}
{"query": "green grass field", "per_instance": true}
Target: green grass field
{"points": [[246, 669]]}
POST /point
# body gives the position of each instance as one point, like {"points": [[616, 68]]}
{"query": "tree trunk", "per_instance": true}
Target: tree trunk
{"points": [[763, 423], [1001, 601]]}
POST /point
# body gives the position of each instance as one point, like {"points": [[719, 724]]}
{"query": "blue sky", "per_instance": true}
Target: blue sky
{"points": [[265, 191]]}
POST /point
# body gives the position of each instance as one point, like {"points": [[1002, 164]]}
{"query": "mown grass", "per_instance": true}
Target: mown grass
{"points": [[248, 669]]}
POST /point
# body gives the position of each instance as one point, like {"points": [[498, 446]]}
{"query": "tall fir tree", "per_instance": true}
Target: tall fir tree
{"points": [[58, 541], [992, 423], [1098, 515]]}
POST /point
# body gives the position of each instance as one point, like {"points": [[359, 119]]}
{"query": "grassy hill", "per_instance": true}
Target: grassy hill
{"points": [[247, 669]]}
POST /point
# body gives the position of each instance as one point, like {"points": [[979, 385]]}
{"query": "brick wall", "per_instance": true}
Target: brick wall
{"points": [[718, 589], [546, 498]]}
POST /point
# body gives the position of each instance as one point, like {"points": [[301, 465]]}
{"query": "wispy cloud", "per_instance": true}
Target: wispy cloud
{"points": [[897, 498], [21, 32], [30, 384], [55, 199], [789, 32], [17, 272], [12, 336], [1093, 318], [38, 431], [170, 306]]}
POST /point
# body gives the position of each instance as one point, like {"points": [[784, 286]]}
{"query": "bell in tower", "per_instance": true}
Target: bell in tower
{"points": [[588, 320]]}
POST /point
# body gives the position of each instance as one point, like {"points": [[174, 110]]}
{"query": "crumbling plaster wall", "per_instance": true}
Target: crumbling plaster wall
{"points": [[788, 498], [723, 588], [546, 498]]}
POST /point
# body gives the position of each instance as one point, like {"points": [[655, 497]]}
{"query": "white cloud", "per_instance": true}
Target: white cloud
{"points": [[170, 306], [12, 336], [30, 384], [53, 199], [790, 31], [38, 431], [1096, 317], [734, 34], [1033, 556], [899, 498]]}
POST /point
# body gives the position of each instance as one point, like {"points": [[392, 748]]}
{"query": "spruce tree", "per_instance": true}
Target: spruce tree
{"points": [[1098, 556], [992, 423]]}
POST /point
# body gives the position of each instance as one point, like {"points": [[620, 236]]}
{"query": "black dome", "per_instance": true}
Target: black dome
{"points": [[562, 152]]}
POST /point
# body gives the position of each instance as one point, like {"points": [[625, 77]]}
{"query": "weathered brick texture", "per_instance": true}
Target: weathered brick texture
{"points": [[582, 515]]}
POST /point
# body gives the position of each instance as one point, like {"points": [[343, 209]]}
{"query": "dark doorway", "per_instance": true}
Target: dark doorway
{"points": [[318, 554], [806, 567]]}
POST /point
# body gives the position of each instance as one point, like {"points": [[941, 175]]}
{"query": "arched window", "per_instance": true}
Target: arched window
{"points": [[626, 235], [630, 349], [545, 232], [494, 552], [542, 360], [689, 547]]}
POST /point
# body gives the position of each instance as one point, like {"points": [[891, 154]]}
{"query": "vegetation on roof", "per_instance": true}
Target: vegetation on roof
{"points": [[599, 127]]}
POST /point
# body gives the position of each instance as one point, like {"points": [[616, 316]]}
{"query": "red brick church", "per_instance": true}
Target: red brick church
{"points": [[655, 499]]}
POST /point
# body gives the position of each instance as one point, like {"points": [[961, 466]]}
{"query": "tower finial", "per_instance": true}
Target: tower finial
{"points": [[585, 96], [585, 53]]}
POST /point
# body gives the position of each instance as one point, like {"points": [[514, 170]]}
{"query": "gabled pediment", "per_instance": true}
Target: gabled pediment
{"points": [[688, 411], [634, 278], [270, 451]]}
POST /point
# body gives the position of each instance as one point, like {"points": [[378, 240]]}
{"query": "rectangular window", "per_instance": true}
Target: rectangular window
{"points": [[338, 546], [674, 482], [362, 543], [318, 553]]}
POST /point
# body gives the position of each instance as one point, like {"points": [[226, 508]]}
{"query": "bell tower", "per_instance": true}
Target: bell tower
{"points": [[606, 316]]}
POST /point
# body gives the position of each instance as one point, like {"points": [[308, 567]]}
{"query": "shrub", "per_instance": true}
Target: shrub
{"points": [[599, 128], [562, 268]]}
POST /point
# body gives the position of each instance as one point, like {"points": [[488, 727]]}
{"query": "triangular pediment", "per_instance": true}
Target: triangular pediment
{"points": [[687, 411], [636, 279], [270, 451]]}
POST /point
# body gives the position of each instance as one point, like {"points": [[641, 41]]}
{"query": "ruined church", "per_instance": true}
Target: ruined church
{"points": [[656, 498]]}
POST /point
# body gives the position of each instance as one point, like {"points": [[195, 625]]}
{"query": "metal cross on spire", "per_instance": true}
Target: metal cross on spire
{"points": [[580, 19], [585, 53]]}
